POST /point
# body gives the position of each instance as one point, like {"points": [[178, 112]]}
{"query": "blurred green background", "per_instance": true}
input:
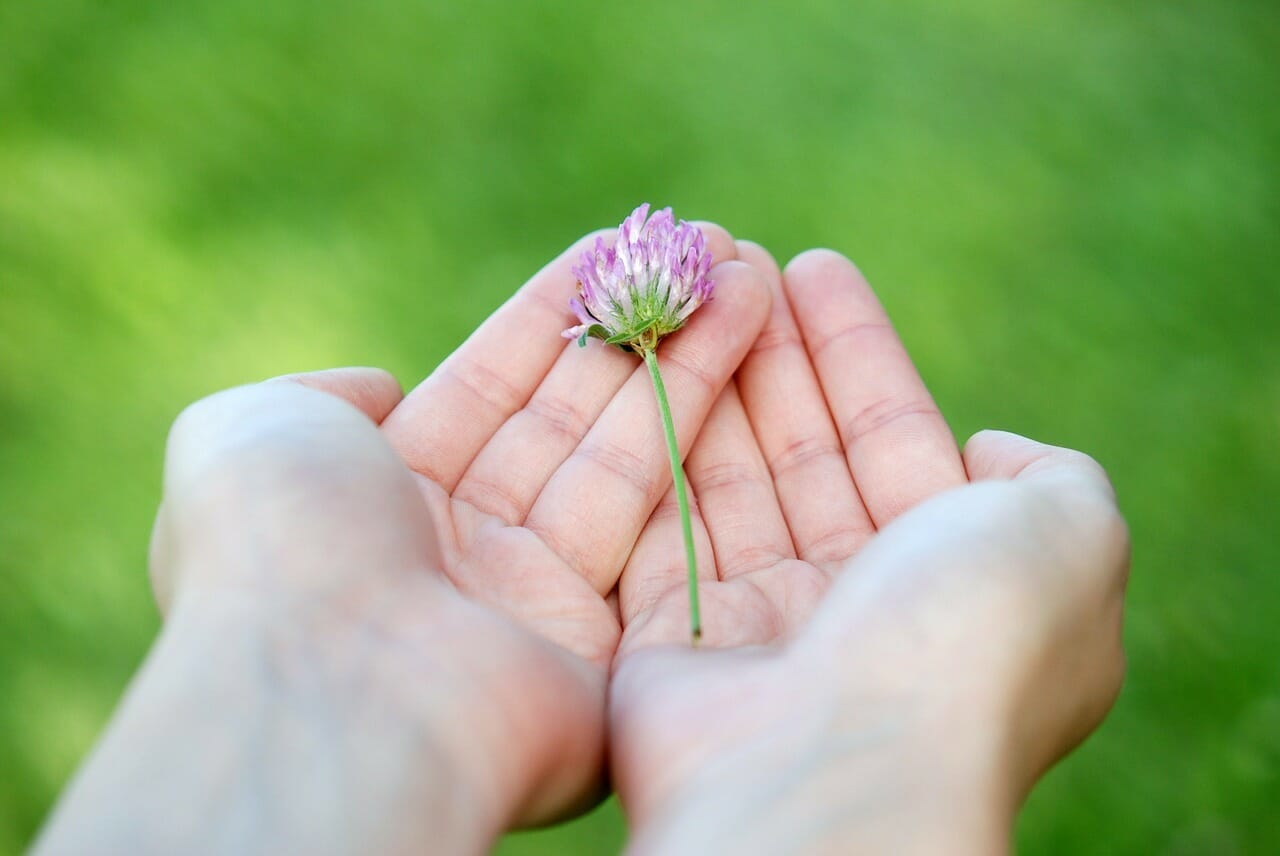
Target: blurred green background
{"points": [[1071, 210]]}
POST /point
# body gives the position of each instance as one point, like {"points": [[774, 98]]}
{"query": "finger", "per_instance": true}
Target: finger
{"points": [[375, 392], [899, 447], [596, 503], [789, 416], [1002, 456], [514, 466], [447, 419], [739, 507], [658, 562]]}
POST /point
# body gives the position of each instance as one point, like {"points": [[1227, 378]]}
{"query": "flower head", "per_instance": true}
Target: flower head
{"points": [[643, 287]]}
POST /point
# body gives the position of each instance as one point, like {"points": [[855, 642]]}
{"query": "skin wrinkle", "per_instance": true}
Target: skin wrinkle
{"points": [[565, 551], [750, 559], [666, 509], [882, 414], [652, 589], [729, 474], [853, 333], [778, 336], [559, 416], [835, 546], [732, 488], [779, 623], [656, 582], [800, 451], [491, 498], [486, 385], [627, 465], [688, 371]]}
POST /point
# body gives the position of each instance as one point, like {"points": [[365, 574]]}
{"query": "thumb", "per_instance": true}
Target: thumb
{"points": [[375, 392], [1001, 456]]}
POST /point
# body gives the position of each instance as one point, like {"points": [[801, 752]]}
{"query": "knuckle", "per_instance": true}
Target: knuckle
{"points": [[558, 416], [492, 498], [486, 385], [803, 450], [627, 466], [727, 474], [697, 367], [778, 337], [882, 413]]}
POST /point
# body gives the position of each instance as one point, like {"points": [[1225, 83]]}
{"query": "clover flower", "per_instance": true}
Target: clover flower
{"points": [[631, 295], [645, 285]]}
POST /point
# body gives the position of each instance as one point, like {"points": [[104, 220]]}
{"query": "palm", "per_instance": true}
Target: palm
{"points": [[541, 462], [827, 435]]}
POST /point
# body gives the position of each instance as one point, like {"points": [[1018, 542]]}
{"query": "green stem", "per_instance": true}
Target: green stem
{"points": [[682, 498]]}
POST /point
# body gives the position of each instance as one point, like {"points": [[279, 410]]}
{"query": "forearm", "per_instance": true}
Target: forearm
{"points": [[229, 741]]}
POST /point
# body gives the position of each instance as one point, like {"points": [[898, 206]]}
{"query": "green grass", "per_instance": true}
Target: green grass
{"points": [[1070, 210]]}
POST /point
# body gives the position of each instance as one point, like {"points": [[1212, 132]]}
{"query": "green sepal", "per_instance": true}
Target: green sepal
{"points": [[629, 335], [596, 330]]}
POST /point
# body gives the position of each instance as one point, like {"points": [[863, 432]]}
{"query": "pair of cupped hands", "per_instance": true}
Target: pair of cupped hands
{"points": [[411, 622]]}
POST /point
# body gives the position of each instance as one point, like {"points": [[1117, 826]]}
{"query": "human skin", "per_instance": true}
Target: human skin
{"points": [[904, 637], [390, 623], [387, 620]]}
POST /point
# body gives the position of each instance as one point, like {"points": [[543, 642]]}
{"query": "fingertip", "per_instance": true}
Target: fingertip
{"points": [[744, 287], [374, 391], [1002, 455], [719, 241], [760, 259], [821, 260], [993, 454], [818, 269], [323, 379]]}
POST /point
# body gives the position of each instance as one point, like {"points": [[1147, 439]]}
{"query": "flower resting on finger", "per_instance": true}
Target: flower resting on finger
{"points": [[632, 294], [645, 285]]}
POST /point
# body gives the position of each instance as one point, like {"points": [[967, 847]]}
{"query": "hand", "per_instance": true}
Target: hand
{"points": [[387, 620], [904, 651]]}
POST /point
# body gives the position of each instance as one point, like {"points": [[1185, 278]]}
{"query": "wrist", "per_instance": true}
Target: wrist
{"points": [[437, 669], [925, 743], [875, 772], [422, 680], [298, 733]]}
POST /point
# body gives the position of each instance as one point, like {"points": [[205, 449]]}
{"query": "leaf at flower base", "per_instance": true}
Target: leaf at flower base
{"points": [[596, 330], [633, 333]]}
